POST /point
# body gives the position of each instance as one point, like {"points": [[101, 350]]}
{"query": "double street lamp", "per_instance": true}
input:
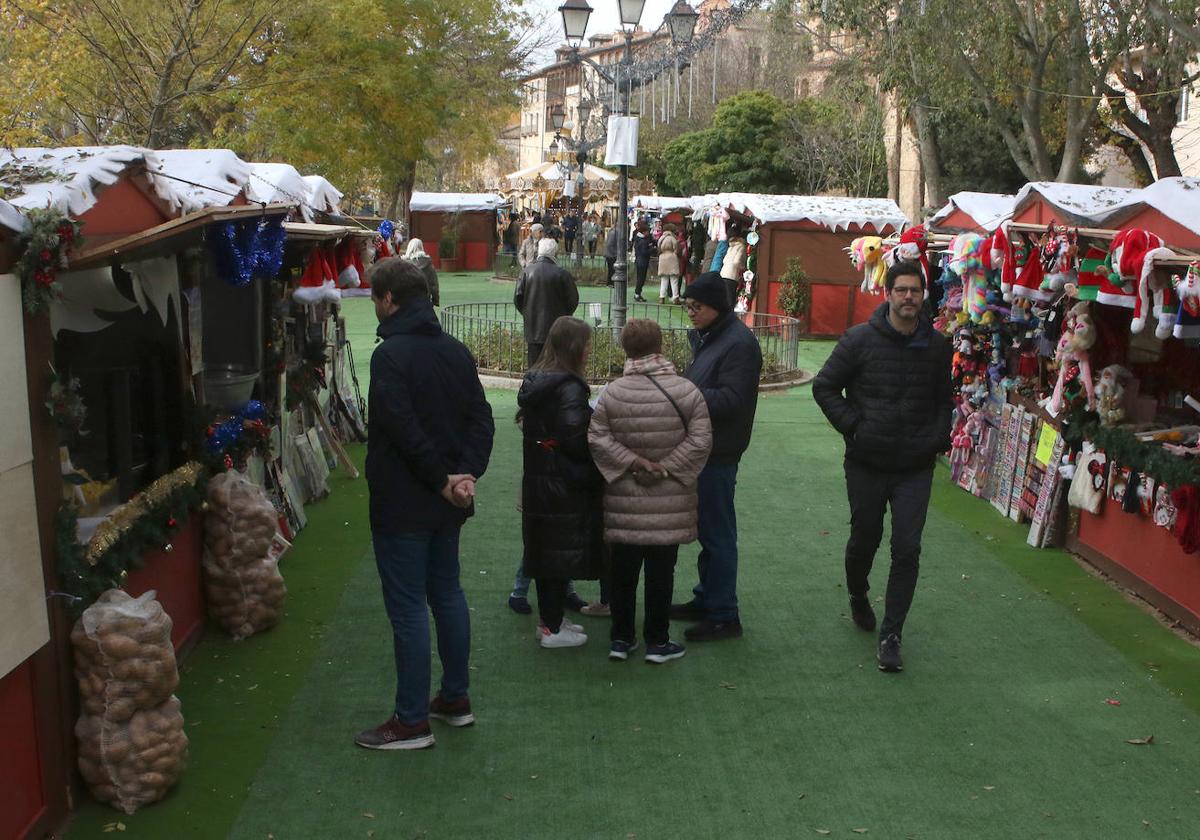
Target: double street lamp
{"points": [[681, 21]]}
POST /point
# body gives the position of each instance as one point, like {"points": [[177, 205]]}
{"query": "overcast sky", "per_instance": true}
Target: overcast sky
{"points": [[605, 17]]}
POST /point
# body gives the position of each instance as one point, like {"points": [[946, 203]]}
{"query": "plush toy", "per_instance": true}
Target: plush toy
{"points": [[1058, 250], [1074, 369], [912, 246], [1128, 284], [1187, 291], [1110, 391], [866, 253], [969, 257]]}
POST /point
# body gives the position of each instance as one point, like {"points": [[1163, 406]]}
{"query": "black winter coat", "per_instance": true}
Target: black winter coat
{"points": [[427, 417], [545, 292], [644, 247], [897, 406], [726, 364], [561, 489]]}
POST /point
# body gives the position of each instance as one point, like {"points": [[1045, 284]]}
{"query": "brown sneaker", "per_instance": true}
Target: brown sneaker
{"points": [[454, 712], [395, 735], [597, 608]]}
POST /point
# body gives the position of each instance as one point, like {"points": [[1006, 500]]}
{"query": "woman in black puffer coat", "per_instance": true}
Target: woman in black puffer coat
{"points": [[561, 489]]}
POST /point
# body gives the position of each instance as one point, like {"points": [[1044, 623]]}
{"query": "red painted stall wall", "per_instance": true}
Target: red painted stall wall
{"points": [[120, 210], [956, 222], [21, 799], [1135, 543], [176, 578]]}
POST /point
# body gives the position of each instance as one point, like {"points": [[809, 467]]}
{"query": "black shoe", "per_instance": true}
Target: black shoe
{"points": [[713, 631], [863, 615], [689, 611], [639, 298], [519, 605], [575, 603], [889, 654]]}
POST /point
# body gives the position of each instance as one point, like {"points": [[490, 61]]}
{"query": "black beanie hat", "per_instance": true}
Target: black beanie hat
{"points": [[712, 289]]}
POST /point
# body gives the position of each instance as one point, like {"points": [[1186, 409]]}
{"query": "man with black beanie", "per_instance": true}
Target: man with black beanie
{"points": [[726, 363]]}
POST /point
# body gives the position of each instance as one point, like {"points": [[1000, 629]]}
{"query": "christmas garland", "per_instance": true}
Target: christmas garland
{"points": [[65, 405], [1125, 449], [48, 243], [143, 524], [248, 249], [229, 443]]}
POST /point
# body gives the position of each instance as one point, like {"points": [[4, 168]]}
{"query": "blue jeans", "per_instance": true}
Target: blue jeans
{"points": [[717, 527], [419, 573]]}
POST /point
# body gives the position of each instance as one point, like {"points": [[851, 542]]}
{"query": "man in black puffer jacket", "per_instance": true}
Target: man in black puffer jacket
{"points": [[726, 363], [887, 389], [430, 438]]}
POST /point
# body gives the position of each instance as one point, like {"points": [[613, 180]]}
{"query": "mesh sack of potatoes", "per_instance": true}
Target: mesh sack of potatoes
{"points": [[134, 762], [124, 659], [242, 583]]}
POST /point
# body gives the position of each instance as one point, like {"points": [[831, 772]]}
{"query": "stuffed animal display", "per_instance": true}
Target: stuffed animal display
{"points": [[1131, 283], [866, 254], [1074, 368], [969, 259]]}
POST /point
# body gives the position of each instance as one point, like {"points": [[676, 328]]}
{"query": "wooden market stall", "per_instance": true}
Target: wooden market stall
{"points": [[971, 212], [816, 230], [469, 219], [1073, 205]]}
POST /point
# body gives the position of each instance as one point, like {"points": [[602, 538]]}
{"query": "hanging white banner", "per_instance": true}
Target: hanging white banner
{"points": [[622, 141]]}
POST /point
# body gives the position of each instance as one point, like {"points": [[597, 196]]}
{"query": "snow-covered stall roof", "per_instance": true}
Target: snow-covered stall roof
{"points": [[322, 195], [279, 183], [433, 202], [221, 174], [987, 209], [67, 177], [1176, 198], [833, 212], [1084, 203], [661, 202], [11, 218]]}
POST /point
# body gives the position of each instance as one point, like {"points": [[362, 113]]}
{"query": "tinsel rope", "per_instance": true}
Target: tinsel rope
{"points": [[113, 529], [1123, 448]]}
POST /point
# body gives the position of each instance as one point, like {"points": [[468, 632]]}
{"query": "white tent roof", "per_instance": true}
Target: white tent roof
{"points": [[555, 171], [11, 218], [432, 202], [1176, 198], [67, 177], [279, 183], [833, 212], [1085, 203], [661, 202], [322, 195], [221, 174], [987, 209]]}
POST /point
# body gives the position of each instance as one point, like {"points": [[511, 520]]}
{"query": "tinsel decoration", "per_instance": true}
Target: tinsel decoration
{"points": [[247, 249], [229, 442], [48, 244], [140, 526], [1124, 448]]}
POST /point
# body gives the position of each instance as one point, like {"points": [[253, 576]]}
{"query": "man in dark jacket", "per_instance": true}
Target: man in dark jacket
{"points": [[643, 249], [430, 440], [545, 291], [612, 249], [726, 363], [887, 389]]}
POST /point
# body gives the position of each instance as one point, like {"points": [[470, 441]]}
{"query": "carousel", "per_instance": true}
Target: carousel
{"points": [[554, 185]]}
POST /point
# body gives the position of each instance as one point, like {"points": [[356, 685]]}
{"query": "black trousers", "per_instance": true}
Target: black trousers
{"points": [[642, 269], [569, 241], [533, 351], [870, 492], [592, 248], [627, 561], [610, 263], [552, 600]]}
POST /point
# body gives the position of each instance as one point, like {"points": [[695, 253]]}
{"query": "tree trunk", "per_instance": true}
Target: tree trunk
{"points": [[931, 154], [1132, 149], [401, 193]]}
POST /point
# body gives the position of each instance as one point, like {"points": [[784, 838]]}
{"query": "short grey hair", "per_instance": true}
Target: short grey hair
{"points": [[548, 247]]}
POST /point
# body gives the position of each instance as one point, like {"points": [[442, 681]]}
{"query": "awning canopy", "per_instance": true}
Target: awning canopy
{"points": [[833, 212], [435, 202]]}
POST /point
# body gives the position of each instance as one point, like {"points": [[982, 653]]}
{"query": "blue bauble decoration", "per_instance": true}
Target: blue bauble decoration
{"points": [[254, 410], [387, 228]]}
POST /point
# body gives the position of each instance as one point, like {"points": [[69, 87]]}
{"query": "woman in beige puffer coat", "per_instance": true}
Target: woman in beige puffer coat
{"points": [[650, 437]]}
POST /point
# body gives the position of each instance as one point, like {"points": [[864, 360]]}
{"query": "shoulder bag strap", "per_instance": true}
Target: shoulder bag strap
{"points": [[670, 399]]}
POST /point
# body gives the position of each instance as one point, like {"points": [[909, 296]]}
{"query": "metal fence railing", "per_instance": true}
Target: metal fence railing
{"points": [[494, 333]]}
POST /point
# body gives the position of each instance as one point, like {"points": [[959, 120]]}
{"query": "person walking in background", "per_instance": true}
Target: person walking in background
{"points": [[530, 245], [415, 254], [643, 250], [560, 486], [612, 250], [650, 437], [591, 234], [726, 363], [512, 232], [544, 292], [668, 266], [570, 227], [697, 245], [431, 439], [733, 264], [886, 387]]}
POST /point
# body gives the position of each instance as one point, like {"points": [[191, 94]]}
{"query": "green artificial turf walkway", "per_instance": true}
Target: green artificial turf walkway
{"points": [[998, 728]]}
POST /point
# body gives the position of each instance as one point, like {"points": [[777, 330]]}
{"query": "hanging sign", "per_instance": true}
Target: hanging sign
{"points": [[622, 141]]}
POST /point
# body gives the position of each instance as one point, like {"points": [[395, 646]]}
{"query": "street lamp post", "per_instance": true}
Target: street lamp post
{"points": [[682, 22]]}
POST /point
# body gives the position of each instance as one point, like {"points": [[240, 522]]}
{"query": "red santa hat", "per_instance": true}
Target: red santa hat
{"points": [[319, 281], [1128, 284], [1000, 257], [349, 264]]}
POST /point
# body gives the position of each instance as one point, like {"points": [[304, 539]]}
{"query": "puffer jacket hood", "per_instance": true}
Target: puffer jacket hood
{"points": [[420, 260], [541, 385], [416, 318]]}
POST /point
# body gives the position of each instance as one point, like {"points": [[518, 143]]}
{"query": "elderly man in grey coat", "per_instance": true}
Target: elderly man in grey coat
{"points": [[529, 248], [545, 291]]}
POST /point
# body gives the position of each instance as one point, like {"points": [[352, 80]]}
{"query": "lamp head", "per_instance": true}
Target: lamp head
{"points": [[631, 12], [575, 14], [682, 22]]}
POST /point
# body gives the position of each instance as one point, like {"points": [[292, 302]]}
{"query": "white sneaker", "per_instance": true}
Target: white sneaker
{"points": [[566, 624], [565, 637]]}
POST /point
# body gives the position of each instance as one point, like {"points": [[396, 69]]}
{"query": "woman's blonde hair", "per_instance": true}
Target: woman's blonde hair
{"points": [[565, 343]]}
